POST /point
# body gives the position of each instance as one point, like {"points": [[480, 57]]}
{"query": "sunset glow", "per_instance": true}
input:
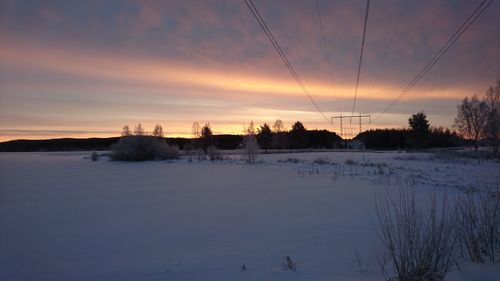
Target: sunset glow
{"points": [[68, 71]]}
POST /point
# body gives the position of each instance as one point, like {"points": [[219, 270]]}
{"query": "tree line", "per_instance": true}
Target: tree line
{"points": [[267, 137]]}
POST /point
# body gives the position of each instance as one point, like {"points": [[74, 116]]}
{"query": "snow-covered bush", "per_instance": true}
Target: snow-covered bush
{"points": [[213, 153], [289, 160], [250, 149], [191, 152], [479, 225], [94, 156], [418, 244], [142, 148], [188, 151], [321, 161], [169, 152]]}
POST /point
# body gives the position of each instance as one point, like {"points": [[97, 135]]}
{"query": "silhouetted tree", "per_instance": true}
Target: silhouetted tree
{"points": [[383, 138], [441, 137], [298, 136], [126, 131], [228, 141], [471, 119], [158, 131], [492, 102], [323, 139], [139, 131], [206, 137], [419, 130], [196, 131], [265, 137]]}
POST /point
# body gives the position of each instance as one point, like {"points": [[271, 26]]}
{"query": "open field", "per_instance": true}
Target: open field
{"points": [[64, 217]]}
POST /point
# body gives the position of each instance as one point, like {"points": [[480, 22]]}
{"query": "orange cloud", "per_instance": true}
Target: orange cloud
{"points": [[145, 71]]}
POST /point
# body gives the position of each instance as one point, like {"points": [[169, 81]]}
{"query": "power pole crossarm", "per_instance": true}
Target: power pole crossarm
{"points": [[341, 117]]}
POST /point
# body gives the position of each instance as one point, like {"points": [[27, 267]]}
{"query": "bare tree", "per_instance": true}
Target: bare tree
{"points": [[126, 131], [195, 141], [158, 131], [279, 134], [492, 101], [195, 129], [250, 145], [139, 131], [471, 119]]}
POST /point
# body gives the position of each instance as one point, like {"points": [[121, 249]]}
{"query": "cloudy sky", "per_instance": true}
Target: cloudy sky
{"points": [[86, 68]]}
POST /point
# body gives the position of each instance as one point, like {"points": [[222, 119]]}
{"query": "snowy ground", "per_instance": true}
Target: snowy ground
{"points": [[63, 217]]}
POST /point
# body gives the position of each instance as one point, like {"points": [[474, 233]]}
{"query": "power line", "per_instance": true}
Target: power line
{"points": [[326, 49], [280, 52], [361, 54], [461, 30]]}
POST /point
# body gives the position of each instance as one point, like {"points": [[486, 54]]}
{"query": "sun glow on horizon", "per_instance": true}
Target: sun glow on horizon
{"points": [[122, 72], [66, 71]]}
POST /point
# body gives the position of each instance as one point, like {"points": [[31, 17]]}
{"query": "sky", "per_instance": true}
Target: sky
{"points": [[87, 68]]}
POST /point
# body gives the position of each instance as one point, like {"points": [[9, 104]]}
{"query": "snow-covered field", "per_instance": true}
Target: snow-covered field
{"points": [[64, 217]]}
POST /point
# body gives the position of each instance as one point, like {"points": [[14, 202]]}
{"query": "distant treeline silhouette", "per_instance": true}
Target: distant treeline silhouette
{"points": [[311, 139], [372, 139], [401, 139]]}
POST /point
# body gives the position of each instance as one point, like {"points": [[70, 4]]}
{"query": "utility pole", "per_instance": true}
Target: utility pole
{"points": [[360, 116]]}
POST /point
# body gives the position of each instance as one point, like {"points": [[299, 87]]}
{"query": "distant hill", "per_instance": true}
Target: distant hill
{"points": [[64, 144], [91, 144]]}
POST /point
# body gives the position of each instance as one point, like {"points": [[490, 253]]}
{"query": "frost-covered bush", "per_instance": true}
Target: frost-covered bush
{"points": [[94, 156], [191, 152], [213, 153], [250, 149], [350, 162], [289, 160], [169, 152], [321, 161], [142, 148], [418, 243], [250, 145], [188, 151], [479, 225]]}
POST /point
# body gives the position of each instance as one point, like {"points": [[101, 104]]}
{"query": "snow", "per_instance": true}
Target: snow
{"points": [[64, 217]]}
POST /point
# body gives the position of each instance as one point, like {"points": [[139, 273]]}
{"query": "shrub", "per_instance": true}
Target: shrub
{"points": [[213, 153], [321, 161], [250, 145], [289, 264], [289, 160], [418, 244], [479, 224], [143, 148], [169, 152], [94, 156], [188, 151], [350, 162]]}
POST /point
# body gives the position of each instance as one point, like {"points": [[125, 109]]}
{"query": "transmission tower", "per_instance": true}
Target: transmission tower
{"points": [[350, 117]]}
